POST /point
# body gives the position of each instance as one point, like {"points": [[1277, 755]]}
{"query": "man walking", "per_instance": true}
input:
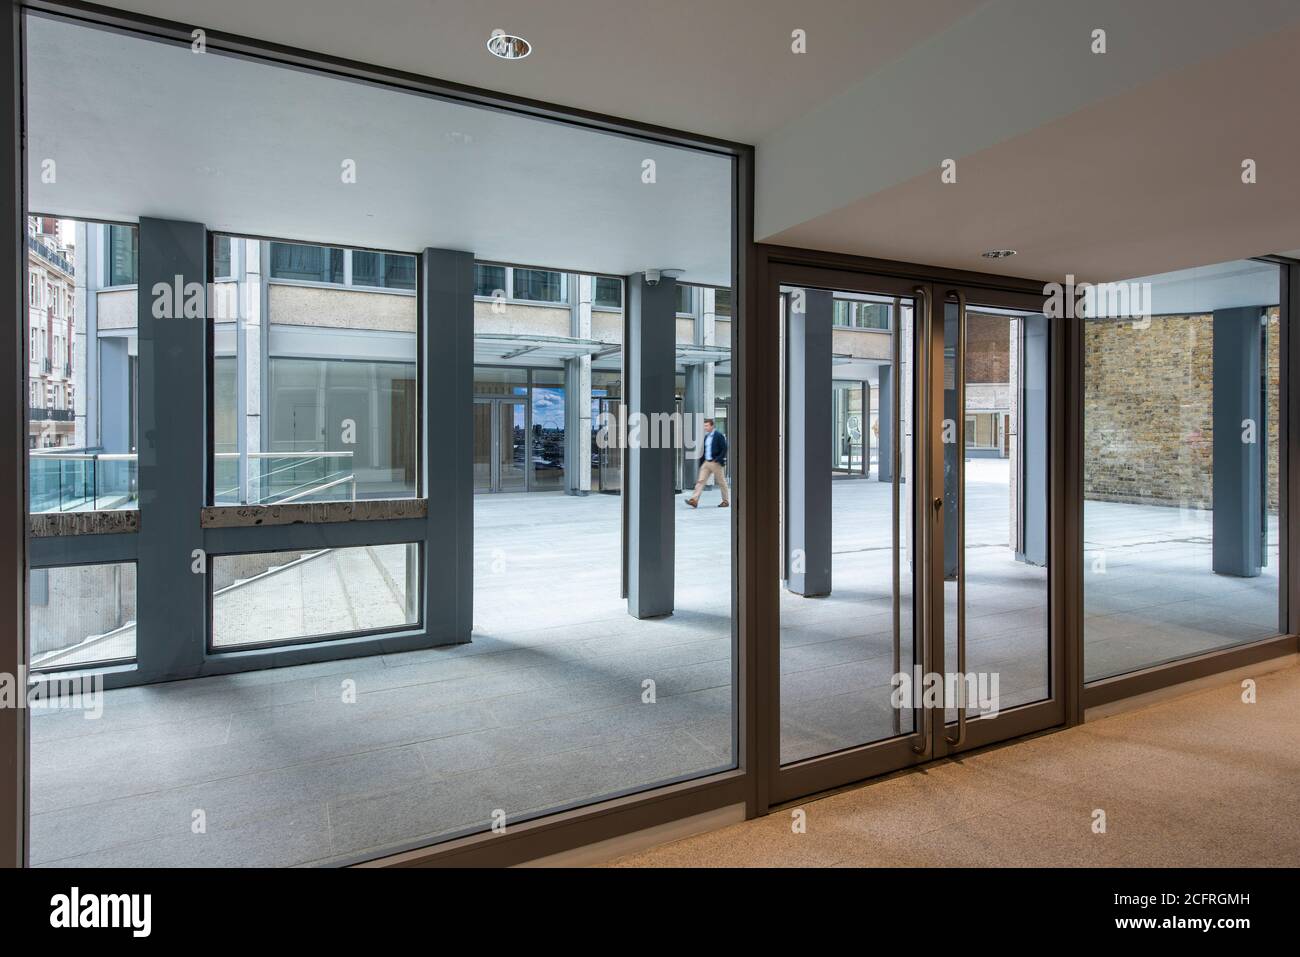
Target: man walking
{"points": [[713, 461]]}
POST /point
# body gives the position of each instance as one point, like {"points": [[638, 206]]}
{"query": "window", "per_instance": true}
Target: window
{"points": [[221, 263], [853, 314], [1182, 467], [722, 302], [685, 298], [122, 255], [301, 263], [538, 285], [607, 293], [271, 598], [389, 270], [82, 615], [489, 281]]}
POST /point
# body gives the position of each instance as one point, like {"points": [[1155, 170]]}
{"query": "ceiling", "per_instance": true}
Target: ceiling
{"points": [[140, 128], [1104, 166]]}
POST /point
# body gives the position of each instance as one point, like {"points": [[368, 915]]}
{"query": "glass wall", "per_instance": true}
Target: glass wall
{"points": [[281, 597], [329, 411], [1181, 467], [81, 615]]}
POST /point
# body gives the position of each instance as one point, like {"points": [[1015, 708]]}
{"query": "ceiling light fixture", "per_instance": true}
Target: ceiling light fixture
{"points": [[506, 46], [999, 254]]}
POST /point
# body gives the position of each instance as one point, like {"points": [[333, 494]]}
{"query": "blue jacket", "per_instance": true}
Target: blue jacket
{"points": [[719, 447]]}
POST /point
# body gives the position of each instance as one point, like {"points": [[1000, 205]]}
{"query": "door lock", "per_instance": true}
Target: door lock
{"points": [[938, 504]]}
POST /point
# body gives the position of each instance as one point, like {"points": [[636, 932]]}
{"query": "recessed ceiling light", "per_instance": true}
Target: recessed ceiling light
{"points": [[998, 253], [506, 46]]}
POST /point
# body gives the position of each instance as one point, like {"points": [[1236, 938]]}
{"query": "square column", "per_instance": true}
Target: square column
{"points": [[447, 281], [1239, 442], [651, 354], [173, 444], [809, 441]]}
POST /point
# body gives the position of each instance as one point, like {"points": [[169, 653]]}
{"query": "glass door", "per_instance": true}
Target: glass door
{"points": [[849, 549], [915, 612], [1001, 657], [512, 445]]}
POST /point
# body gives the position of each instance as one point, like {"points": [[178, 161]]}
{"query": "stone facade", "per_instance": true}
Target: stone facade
{"points": [[1148, 404]]}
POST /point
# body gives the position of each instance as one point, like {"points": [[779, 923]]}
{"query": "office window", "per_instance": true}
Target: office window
{"points": [[1181, 467], [538, 285], [722, 302], [122, 255], [489, 280], [386, 270], [607, 293], [271, 598], [81, 615], [685, 300], [852, 314], [306, 263], [221, 263]]}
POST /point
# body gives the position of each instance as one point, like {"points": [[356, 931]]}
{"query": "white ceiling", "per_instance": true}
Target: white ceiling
{"points": [[1104, 166], [139, 128]]}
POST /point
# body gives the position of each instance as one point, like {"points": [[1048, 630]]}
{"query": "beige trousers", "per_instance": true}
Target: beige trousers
{"points": [[719, 479]]}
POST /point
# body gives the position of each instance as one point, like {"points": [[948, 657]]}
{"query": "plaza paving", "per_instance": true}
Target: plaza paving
{"points": [[544, 709]]}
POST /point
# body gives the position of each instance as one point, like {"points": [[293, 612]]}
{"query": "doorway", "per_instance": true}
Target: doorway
{"points": [[501, 444], [916, 615]]}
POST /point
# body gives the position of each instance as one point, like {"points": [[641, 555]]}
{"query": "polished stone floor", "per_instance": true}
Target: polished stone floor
{"points": [[561, 698]]}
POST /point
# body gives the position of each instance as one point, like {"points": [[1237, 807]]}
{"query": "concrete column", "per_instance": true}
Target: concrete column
{"points": [[885, 452], [808, 443], [1239, 431], [447, 317], [1030, 463], [650, 362], [577, 392], [173, 444], [251, 337]]}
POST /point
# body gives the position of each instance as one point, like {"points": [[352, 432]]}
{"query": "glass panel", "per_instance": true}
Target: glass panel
{"points": [[685, 298], [221, 257], [1182, 400], [841, 645], [482, 446], [539, 285], [306, 263], [512, 445], [86, 462], [1005, 515], [122, 255], [850, 427], [335, 419], [276, 597], [722, 302], [490, 281], [608, 293], [386, 270], [81, 615], [548, 437]]}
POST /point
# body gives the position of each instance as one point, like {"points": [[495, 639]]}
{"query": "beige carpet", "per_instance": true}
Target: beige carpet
{"points": [[1199, 780]]}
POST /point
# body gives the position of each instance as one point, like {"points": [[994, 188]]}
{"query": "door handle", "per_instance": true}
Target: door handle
{"points": [[959, 381], [920, 715]]}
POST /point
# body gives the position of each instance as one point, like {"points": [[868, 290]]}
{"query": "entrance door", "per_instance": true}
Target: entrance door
{"points": [[500, 444], [608, 471], [914, 606]]}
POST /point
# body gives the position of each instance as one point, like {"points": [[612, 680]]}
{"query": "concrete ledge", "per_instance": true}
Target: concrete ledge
{"points": [[296, 513], [107, 522]]}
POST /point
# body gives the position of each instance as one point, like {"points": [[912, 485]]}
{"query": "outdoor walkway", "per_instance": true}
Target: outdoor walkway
{"points": [[548, 707]]}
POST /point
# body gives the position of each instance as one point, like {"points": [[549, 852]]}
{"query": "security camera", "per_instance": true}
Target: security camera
{"points": [[652, 277]]}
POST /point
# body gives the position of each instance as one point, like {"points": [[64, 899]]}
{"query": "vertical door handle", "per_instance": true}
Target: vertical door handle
{"points": [[960, 385], [921, 332]]}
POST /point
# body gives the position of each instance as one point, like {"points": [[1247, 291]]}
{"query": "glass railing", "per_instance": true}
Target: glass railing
{"points": [[81, 481], [282, 477]]}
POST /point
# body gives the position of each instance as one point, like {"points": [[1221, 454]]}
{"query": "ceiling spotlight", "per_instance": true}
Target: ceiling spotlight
{"points": [[999, 254], [508, 47]]}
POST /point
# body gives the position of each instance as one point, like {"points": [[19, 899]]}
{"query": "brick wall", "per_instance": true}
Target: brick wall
{"points": [[1148, 403], [988, 348]]}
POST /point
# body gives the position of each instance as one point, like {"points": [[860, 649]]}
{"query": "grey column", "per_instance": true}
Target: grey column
{"points": [[170, 623], [809, 442], [1238, 418], [693, 415], [447, 317], [650, 373], [1031, 441], [885, 419]]}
